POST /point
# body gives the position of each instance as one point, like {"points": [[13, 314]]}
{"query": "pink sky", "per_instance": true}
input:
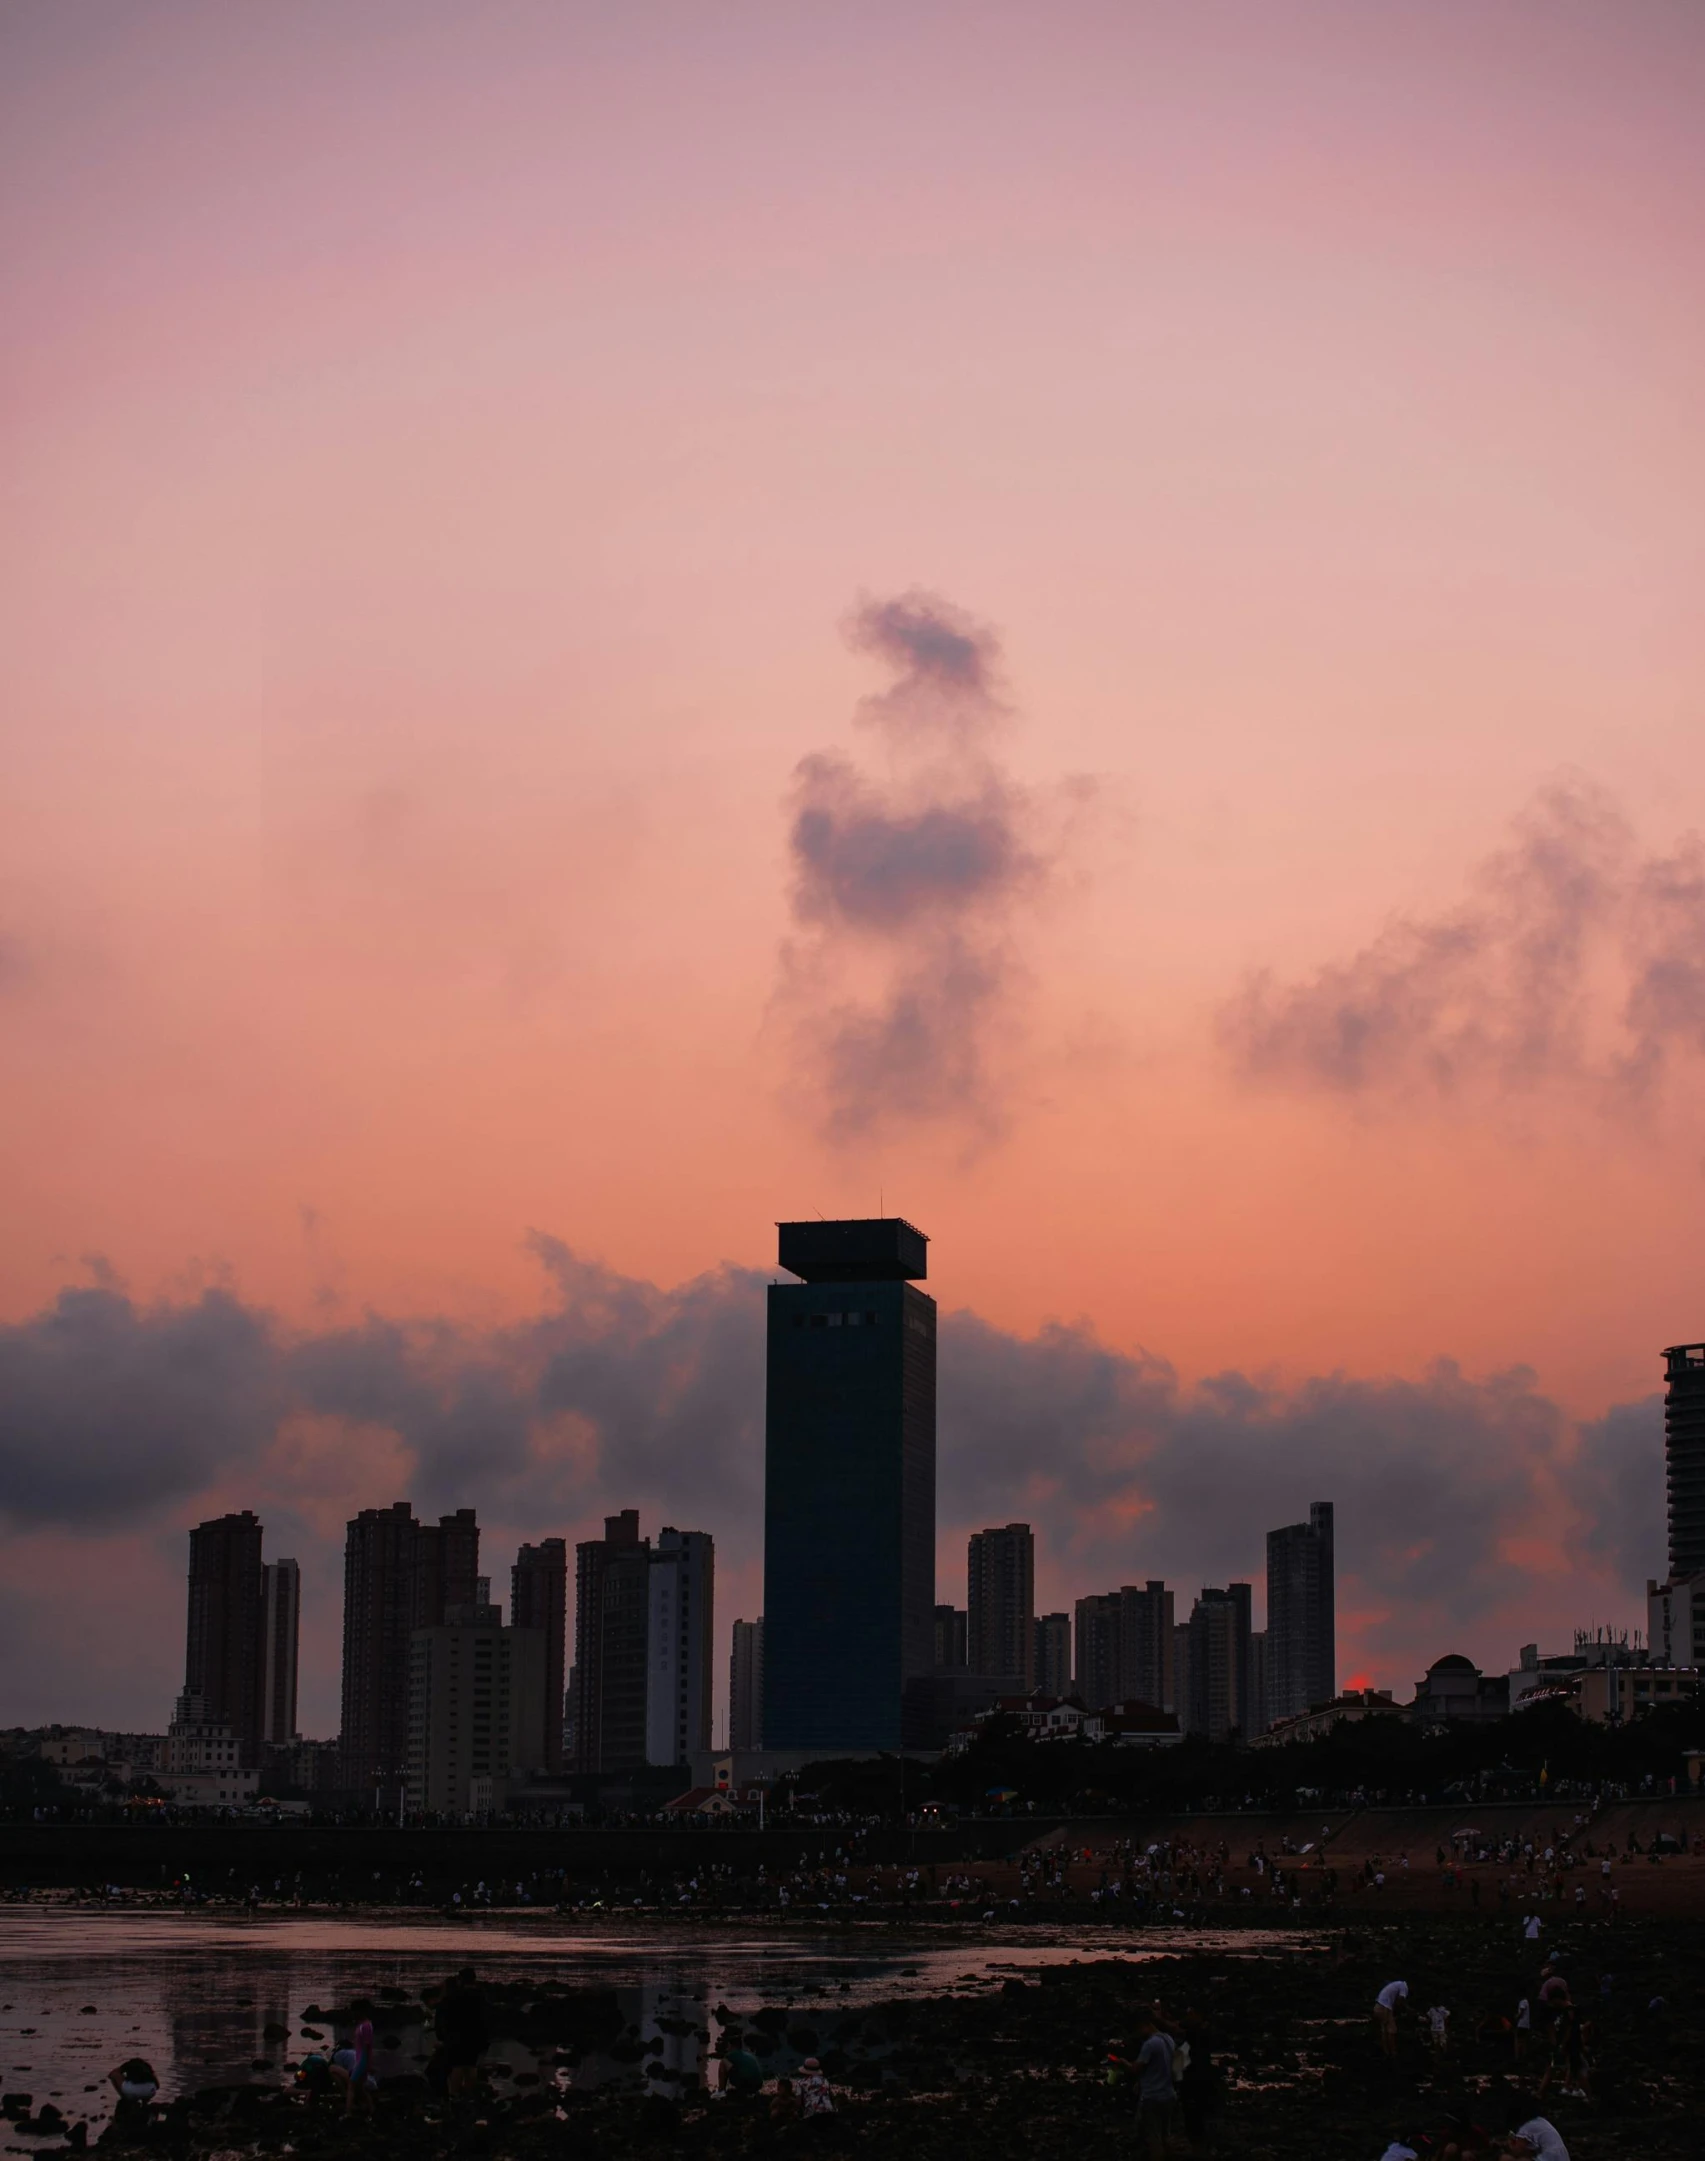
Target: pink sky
{"points": [[444, 447]]}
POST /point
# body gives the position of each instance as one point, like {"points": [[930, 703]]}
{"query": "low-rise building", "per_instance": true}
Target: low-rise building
{"points": [[1140, 1725], [1065, 1718], [1612, 1695], [1453, 1688], [234, 1787], [1345, 1709], [301, 1767], [1536, 1680], [66, 1745], [715, 1802], [1675, 1621], [198, 1746]]}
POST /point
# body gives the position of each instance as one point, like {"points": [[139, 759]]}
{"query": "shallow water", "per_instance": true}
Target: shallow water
{"points": [[79, 1992]]}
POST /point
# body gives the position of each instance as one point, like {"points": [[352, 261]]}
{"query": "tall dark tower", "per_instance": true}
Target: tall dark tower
{"points": [[224, 1661], [398, 1575], [1684, 1457], [849, 1484], [1302, 1655], [538, 1598]]}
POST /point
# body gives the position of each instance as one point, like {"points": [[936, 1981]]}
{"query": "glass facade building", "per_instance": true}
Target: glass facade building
{"points": [[849, 1485]]}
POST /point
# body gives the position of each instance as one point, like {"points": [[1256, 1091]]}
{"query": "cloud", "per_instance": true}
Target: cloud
{"points": [[946, 664], [1615, 1481], [1472, 1513], [1135, 1475], [907, 887], [1665, 1005], [109, 1411], [1574, 963]]}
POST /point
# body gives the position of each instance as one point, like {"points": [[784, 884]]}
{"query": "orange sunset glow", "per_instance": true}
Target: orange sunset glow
{"points": [[1079, 624]]}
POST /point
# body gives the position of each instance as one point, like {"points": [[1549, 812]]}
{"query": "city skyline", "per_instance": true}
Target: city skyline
{"points": [[850, 1492], [952, 1570], [1083, 622]]}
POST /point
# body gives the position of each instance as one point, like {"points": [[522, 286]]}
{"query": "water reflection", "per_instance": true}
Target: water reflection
{"points": [[212, 2002]]}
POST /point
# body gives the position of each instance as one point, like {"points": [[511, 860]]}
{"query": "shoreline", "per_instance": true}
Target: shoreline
{"points": [[1013, 2062]]}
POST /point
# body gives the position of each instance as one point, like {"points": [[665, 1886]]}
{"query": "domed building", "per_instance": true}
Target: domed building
{"points": [[1453, 1687]]}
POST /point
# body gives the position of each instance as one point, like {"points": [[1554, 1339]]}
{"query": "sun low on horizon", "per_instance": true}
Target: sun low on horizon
{"points": [[625, 624]]}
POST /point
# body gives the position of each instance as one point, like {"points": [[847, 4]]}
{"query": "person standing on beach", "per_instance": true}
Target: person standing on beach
{"points": [[464, 2033], [1157, 2096], [1385, 2016], [1193, 2080]]}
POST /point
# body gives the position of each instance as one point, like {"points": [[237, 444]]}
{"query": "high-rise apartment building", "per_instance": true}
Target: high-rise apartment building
{"points": [[1054, 1654], [475, 1707], [224, 1654], [644, 1620], [538, 1598], [1684, 1457], [680, 1631], [1218, 1663], [1125, 1647], [624, 1643], [952, 1640], [1000, 1581], [447, 1567], [1302, 1659], [281, 1624], [1260, 1718], [1096, 1679], [591, 1561], [1146, 1623], [398, 1575], [746, 1685], [849, 1484]]}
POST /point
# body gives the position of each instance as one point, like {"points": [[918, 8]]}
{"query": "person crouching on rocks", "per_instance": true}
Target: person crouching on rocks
{"points": [[815, 2096], [352, 2067], [136, 2085]]}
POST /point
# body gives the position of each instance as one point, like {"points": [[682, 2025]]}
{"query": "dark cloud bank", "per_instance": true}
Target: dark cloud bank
{"points": [[1575, 960], [908, 884], [116, 1415]]}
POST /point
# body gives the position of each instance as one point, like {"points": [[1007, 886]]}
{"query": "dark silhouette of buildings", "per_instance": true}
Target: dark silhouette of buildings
{"points": [[746, 1686], [644, 1617], [849, 1484], [538, 1599], [1054, 1654], [398, 1575], [952, 1642], [622, 1546], [1146, 1649], [1096, 1680], [1000, 1579], [1684, 1457], [224, 1654], [1301, 1656], [476, 1709], [281, 1624], [1216, 1694], [1125, 1651]]}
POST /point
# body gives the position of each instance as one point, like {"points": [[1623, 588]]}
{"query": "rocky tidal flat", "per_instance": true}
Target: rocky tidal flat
{"points": [[1017, 2062]]}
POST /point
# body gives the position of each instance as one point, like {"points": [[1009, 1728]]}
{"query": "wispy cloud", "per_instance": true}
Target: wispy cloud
{"points": [[1573, 961], [907, 883]]}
